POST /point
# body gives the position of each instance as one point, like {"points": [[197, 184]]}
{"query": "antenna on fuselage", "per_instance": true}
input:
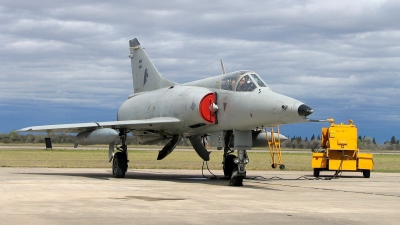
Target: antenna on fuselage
{"points": [[223, 68]]}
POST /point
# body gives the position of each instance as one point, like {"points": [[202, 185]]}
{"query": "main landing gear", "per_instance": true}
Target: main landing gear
{"points": [[120, 159]]}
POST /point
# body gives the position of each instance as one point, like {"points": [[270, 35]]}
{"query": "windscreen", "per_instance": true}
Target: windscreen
{"points": [[243, 81], [258, 80]]}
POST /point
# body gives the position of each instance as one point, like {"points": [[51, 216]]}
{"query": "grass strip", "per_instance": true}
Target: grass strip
{"points": [[146, 159]]}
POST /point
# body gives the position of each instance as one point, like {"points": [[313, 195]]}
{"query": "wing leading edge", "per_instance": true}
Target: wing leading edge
{"points": [[156, 123]]}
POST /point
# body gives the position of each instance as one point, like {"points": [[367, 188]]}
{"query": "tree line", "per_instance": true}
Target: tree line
{"points": [[294, 142], [364, 142]]}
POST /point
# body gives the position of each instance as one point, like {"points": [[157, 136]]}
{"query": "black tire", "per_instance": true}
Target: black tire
{"points": [[273, 166], [282, 167], [236, 181], [316, 172], [229, 165], [367, 173], [120, 165]]}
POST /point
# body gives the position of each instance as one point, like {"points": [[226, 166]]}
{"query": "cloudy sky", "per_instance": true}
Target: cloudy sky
{"points": [[67, 61]]}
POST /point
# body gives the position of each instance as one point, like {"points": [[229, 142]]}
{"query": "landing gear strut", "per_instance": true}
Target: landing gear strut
{"points": [[120, 159]]}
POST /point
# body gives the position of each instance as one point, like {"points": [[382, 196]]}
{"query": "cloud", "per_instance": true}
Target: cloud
{"points": [[339, 56]]}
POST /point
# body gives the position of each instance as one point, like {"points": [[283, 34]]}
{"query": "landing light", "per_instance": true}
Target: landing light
{"points": [[237, 161]]}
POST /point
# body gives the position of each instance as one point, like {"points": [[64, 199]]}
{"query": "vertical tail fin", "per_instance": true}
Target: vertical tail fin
{"points": [[144, 74]]}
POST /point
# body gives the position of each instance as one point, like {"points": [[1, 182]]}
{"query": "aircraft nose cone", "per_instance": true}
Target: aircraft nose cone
{"points": [[304, 110]]}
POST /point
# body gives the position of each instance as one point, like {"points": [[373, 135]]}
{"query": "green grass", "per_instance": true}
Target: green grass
{"points": [[179, 159], [387, 163]]}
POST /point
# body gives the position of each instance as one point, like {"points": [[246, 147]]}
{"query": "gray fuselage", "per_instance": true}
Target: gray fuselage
{"points": [[237, 110]]}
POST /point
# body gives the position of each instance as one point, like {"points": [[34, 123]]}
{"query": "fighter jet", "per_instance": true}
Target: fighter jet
{"points": [[231, 108]]}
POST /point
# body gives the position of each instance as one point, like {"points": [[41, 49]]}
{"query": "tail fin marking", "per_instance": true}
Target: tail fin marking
{"points": [[144, 74]]}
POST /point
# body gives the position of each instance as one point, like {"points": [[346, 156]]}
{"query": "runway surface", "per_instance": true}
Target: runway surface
{"points": [[92, 196]]}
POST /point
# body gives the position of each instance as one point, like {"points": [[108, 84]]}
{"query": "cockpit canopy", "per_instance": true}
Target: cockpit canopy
{"points": [[241, 81]]}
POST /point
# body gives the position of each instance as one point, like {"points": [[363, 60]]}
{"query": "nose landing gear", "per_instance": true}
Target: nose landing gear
{"points": [[235, 167], [239, 172]]}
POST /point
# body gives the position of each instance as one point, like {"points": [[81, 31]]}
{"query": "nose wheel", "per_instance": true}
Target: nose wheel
{"points": [[234, 168], [228, 166], [230, 169], [236, 180]]}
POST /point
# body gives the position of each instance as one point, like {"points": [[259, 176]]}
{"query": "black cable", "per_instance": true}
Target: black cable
{"points": [[280, 178], [214, 176], [202, 172], [338, 173]]}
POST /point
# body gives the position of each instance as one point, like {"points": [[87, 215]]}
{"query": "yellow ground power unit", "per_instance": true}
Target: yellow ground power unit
{"points": [[339, 151]]}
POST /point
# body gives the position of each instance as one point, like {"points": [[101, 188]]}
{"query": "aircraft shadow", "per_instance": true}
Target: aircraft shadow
{"points": [[99, 176], [219, 180]]}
